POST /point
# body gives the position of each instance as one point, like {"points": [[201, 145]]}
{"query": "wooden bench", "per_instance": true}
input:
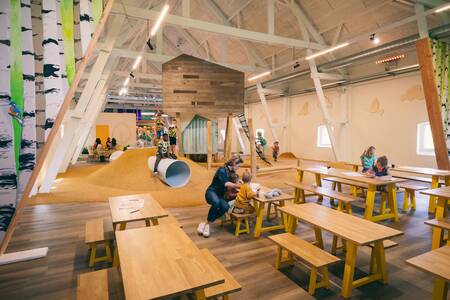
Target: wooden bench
{"points": [[95, 235], [343, 199], [387, 244], [409, 198], [437, 263], [239, 218], [313, 256], [417, 178], [224, 289], [169, 220], [100, 285]]}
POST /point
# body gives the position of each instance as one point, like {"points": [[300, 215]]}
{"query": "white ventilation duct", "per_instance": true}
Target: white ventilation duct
{"points": [[175, 173]]}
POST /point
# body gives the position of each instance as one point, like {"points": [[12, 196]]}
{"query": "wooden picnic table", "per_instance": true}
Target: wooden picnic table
{"points": [[162, 261], [437, 263], [132, 208], [436, 175], [355, 231], [260, 203], [372, 183], [443, 195]]}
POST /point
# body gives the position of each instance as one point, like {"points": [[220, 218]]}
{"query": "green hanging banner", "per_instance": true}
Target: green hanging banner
{"points": [[97, 10], [16, 77], [67, 36]]}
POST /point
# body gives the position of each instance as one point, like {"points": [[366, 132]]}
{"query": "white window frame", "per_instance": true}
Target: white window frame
{"points": [[424, 134], [321, 139]]}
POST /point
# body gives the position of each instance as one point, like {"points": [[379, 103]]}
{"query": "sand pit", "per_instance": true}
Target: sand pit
{"points": [[127, 175]]}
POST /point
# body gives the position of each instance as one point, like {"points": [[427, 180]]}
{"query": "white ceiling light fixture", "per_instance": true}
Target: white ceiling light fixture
{"points": [[159, 20], [127, 80], [136, 62], [123, 91], [443, 8], [259, 76], [328, 50]]}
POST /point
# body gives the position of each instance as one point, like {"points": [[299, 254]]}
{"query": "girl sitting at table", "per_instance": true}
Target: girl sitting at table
{"points": [[368, 159], [245, 196]]}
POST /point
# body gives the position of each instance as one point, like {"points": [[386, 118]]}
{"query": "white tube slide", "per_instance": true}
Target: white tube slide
{"points": [[175, 173]]}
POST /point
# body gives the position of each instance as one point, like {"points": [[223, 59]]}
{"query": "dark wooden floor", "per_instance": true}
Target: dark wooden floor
{"points": [[61, 228]]}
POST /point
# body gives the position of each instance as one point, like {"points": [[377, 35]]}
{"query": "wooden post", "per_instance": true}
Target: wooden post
{"points": [[179, 137], [228, 137], [425, 57], [209, 144], [252, 147]]}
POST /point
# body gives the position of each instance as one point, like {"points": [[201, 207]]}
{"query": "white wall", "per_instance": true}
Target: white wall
{"points": [[122, 126], [383, 113]]}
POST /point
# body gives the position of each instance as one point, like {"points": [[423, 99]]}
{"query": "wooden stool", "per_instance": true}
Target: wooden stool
{"points": [[239, 218], [308, 253], [95, 235], [409, 199]]}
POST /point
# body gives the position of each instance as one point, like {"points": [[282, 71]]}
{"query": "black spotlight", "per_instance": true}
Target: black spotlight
{"points": [[132, 75], [296, 65], [149, 44]]}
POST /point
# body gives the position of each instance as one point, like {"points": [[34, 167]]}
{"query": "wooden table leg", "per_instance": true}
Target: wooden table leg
{"points": [[440, 289], [432, 200], [200, 294], [370, 201], [438, 233], [381, 260], [291, 224], [349, 270], [259, 218], [155, 221], [319, 183], [319, 239], [123, 225], [297, 192], [392, 199]]}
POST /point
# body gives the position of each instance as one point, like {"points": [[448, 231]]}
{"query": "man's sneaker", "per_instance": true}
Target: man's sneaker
{"points": [[201, 227], [206, 232], [231, 206]]}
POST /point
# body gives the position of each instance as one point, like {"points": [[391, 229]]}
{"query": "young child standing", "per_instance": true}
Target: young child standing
{"points": [[160, 124], [245, 196], [173, 138], [368, 158], [275, 150]]}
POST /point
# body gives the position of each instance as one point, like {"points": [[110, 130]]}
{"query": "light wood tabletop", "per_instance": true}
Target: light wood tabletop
{"points": [[138, 207], [422, 171], [437, 263], [372, 184], [352, 175], [443, 192], [349, 227], [355, 231], [162, 261], [443, 195], [260, 203]]}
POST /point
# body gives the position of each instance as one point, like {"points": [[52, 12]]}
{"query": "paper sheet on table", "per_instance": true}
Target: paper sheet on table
{"points": [[131, 204], [352, 174], [255, 186]]}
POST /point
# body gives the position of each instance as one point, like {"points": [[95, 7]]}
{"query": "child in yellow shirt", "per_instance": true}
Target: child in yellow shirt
{"points": [[245, 196]]}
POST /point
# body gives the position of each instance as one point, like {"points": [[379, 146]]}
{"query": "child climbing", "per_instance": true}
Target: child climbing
{"points": [[261, 143], [245, 196], [275, 150]]}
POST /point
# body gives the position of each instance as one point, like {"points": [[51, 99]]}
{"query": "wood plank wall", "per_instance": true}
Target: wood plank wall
{"points": [[197, 86]]}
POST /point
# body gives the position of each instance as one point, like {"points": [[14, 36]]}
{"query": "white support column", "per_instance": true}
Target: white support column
{"points": [[323, 106], [186, 8], [271, 16], [239, 136], [266, 110], [286, 116], [421, 20]]}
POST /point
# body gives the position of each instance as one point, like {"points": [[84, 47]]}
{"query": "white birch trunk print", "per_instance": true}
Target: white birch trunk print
{"points": [[76, 33], [8, 178], [52, 67], [27, 156], [36, 19], [86, 24]]}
